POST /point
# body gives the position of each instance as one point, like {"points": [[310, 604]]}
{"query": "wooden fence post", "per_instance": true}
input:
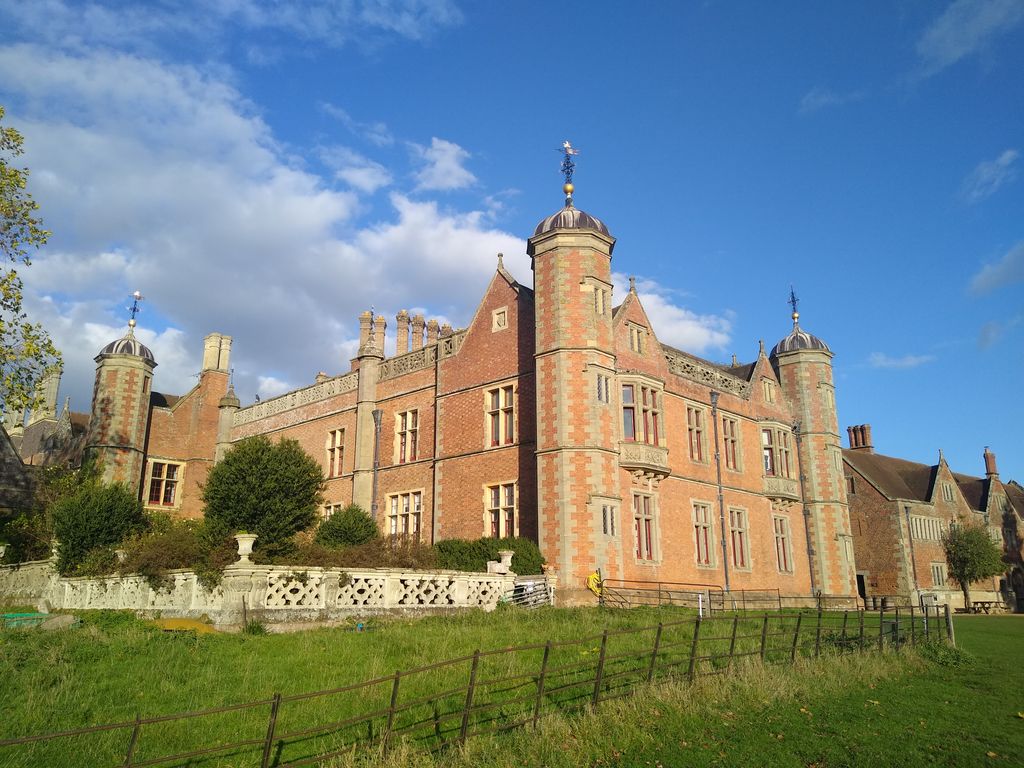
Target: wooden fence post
{"points": [[881, 628], [133, 741], [469, 695], [913, 629], [391, 709], [846, 616], [927, 633], [693, 650], [764, 636], [817, 637], [860, 645], [268, 742], [540, 684], [796, 638], [896, 636], [599, 675], [949, 626], [732, 641], [654, 653]]}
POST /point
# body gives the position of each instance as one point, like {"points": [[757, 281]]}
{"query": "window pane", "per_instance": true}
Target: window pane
{"points": [[627, 393], [628, 426]]}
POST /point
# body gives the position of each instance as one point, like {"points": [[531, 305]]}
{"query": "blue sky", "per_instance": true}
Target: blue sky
{"points": [[271, 169]]}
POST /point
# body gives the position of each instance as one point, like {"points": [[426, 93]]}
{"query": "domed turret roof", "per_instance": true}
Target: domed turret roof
{"points": [[571, 218], [797, 340], [128, 345]]}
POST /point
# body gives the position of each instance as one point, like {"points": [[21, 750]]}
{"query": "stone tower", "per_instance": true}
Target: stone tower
{"points": [[120, 409], [803, 364], [577, 459], [367, 448]]}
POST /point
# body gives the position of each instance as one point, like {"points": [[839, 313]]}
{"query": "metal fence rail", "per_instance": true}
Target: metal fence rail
{"points": [[440, 704]]}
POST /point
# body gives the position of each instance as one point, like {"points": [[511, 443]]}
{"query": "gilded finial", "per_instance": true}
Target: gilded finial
{"points": [[134, 309], [568, 166], [793, 302]]}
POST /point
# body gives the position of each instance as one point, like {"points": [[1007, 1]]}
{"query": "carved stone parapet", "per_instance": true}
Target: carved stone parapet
{"points": [[314, 394], [708, 375], [781, 488], [409, 362], [646, 462]]}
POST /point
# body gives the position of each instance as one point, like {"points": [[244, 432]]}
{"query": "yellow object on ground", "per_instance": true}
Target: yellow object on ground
{"points": [[184, 625]]}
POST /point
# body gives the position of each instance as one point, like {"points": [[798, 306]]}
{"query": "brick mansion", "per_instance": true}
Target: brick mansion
{"points": [[558, 415]]}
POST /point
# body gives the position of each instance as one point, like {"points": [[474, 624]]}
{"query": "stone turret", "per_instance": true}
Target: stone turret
{"points": [[571, 259], [803, 363], [120, 409]]}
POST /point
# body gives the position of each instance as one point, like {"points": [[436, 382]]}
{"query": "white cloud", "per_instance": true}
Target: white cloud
{"points": [[269, 386], [819, 98], [356, 170], [993, 331], [442, 166], [377, 133], [673, 324], [163, 179], [965, 28], [1008, 270], [988, 176], [204, 23], [882, 360]]}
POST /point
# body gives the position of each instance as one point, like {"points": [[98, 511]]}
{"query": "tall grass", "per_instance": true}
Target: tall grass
{"points": [[115, 667]]}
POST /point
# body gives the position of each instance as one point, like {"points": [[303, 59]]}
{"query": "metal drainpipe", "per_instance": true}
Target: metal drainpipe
{"points": [[803, 499], [377, 414], [910, 538], [721, 497]]}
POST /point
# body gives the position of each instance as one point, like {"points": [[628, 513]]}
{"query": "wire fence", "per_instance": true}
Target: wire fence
{"points": [[438, 705]]}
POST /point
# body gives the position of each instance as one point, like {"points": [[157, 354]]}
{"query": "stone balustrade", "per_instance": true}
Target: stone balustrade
{"points": [[272, 594]]}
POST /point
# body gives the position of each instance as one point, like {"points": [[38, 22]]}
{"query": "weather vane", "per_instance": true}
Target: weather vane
{"points": [[568, 166], [134, 309], [793, 302]]}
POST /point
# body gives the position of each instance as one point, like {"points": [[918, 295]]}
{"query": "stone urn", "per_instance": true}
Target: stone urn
{"points": [[245, 542], [3, 549], [121, 555], [505, 556]]}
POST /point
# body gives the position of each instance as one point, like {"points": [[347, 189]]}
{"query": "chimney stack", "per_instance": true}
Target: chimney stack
{"points": [[990, 464], [432, 331], [402, 332], [860, 438], [364, 328], [417, 332]]}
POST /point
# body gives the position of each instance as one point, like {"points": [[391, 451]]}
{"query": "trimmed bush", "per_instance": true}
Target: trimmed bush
{"points": [[465, 555], [349, 527], [270, 489], [95, 516], [166, 546]]}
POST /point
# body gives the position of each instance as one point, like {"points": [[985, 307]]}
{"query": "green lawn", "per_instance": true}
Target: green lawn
{"points": [[894, 710], [864, 709]]}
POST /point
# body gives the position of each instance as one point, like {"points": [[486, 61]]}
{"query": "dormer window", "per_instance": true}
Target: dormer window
{"points": [[637, 337]]}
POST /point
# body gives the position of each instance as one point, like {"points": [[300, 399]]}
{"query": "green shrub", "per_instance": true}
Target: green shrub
{"points": [[390, 552], [101, 561], [464, 555], [166, 546], [270, 489], [254, 627], [95, 516], [945, 655], [351, 526]]}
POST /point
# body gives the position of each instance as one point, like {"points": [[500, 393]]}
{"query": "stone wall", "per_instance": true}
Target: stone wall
{"points": [[271, 594]]}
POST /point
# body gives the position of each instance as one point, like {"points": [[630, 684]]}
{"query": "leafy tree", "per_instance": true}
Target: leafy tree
{"points": [[96, 516], [472, 555], [349, 527], [29, 531], [26, 352], [971, 555], [270, 489]]}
